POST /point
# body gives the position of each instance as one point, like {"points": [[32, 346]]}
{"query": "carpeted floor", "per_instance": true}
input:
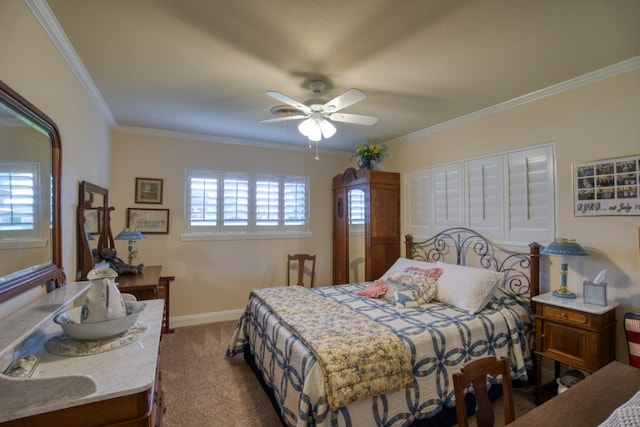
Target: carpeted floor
{"points": [[203, 389]]}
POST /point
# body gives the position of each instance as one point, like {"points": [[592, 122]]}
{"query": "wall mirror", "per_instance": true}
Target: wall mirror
{"points": [[30, 245], [94, 229]]}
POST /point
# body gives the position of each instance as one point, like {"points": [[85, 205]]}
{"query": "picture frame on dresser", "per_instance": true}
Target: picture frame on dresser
{"points": [[149, 190]]}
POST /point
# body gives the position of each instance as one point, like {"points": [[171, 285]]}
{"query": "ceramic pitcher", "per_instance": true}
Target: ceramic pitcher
{"points": [[103, 299]]}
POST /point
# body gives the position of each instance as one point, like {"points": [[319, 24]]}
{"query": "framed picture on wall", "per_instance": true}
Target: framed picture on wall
{"points": [[607, 187], [148, 190], [148, 221]]}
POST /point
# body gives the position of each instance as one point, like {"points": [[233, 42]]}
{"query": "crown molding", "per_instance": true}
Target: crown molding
{"points": [[220, 139], [49, 23], [614, 70]]}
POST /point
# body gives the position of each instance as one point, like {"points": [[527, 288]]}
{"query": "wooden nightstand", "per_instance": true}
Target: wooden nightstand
{"points": [[574, 333]]}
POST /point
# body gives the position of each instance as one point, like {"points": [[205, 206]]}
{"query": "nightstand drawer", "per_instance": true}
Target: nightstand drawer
{"points": [[566, 315]]}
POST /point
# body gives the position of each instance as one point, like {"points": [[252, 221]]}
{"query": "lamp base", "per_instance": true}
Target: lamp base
{"points": [[564, 292]]}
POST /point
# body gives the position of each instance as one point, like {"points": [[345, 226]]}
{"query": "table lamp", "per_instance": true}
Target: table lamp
{"points": [[564, 248], [131, 235]]}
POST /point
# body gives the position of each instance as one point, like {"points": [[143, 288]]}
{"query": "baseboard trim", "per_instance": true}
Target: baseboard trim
{"points": [[201, 319]]}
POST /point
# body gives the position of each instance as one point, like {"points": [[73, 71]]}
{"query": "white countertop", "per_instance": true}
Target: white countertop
{"points": [[60, 382], [575, 303]]}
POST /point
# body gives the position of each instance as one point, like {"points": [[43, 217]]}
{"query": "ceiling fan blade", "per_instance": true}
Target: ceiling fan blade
{"points": [[353, 118], [284, 98], [282, 119], [350, 97]]}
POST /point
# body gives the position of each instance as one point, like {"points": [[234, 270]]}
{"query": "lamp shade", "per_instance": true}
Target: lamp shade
{"points": [[129, 234], [567, 247]]}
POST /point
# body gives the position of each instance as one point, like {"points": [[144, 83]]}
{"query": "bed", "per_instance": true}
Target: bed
{"points": [[455, 297]]}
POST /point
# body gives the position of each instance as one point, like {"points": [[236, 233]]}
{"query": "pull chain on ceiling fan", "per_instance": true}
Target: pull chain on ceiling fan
{"points": [[318, 117]]}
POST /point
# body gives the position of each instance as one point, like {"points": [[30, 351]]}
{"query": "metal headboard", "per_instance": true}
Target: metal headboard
{"points": [[463, 246]]}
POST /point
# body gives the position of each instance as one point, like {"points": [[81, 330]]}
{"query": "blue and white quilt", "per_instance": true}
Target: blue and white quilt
{"points": [[439, 340]]}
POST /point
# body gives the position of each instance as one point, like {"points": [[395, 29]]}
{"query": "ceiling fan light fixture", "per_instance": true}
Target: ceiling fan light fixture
{"points": [[306, 127], [328, 129]]}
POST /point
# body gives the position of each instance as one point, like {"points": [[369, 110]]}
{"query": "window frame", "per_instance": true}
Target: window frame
{"points": [[252, 229]]}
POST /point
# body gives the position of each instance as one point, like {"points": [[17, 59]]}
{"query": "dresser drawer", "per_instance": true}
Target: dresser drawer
{"points": [[559, 313]]}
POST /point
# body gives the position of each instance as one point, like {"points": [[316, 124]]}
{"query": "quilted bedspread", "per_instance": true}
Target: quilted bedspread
{"points": [[438, 338], [369, 363]]}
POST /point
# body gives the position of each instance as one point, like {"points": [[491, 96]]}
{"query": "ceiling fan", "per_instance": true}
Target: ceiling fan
{"points": [[319, 115]]}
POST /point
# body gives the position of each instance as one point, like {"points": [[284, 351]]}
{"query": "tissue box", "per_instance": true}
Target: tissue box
{"points": [[595, 293]]}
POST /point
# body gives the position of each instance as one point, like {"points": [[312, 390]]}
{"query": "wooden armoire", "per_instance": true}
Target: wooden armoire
{"points": [[380, 246]]}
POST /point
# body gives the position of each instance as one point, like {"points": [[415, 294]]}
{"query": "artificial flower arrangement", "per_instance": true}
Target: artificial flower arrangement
{"points": [[369, 153]]}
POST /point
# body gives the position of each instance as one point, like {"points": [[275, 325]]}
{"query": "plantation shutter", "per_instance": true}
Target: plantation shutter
{"points": [[531, 206], [295, 203], [203, 203], [484, 189], [235, 203], [447, 192], [419, 205]]}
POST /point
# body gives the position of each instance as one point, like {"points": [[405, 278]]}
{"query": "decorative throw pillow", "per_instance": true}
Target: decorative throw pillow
{"points": [[468, 288], [406, 299], [433, 273], [422, 287], [402, 264]]}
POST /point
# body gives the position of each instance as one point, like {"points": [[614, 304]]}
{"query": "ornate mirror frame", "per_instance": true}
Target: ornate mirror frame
{"points": [[92, 197], [20, 281]]}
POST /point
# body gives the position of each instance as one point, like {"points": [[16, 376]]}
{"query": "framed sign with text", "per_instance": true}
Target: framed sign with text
{"points": [[607, 187]]}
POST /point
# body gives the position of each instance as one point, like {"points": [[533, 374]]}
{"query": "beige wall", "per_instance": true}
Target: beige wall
{"points": [[599, 121], [213, 277], [32, 66], [595, 122]]}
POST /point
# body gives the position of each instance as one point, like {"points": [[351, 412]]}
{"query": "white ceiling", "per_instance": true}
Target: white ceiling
{"points": [[203, 66]]}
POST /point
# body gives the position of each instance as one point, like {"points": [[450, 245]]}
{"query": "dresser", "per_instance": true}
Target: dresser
{"points": [[117, 387], [149, 284], [574, 333]]}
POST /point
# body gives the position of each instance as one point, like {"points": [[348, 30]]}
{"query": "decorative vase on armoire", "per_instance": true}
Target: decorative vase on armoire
{"points": [[378, 193], [365, 164]]}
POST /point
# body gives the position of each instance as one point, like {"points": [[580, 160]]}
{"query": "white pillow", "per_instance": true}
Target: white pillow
{"points": [[402, 264], [468, 288]]}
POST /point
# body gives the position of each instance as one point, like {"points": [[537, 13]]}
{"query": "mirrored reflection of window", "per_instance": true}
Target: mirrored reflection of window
{"points": [[18, 195], [356, 207]]}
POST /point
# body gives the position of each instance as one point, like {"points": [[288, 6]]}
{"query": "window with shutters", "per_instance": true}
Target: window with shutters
{"points": [[18, 195], [241, 204], [508, 196]]}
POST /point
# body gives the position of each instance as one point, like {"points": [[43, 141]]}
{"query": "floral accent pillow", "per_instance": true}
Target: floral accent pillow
{"points": [[422, 288], [433, 273]]}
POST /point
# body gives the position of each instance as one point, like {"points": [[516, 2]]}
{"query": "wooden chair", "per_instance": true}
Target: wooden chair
{"points": [[632, 332], [300, 259], [475, 373]]}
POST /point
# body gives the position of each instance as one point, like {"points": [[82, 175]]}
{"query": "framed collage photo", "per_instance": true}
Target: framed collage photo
{"points": [[607, 187]]}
